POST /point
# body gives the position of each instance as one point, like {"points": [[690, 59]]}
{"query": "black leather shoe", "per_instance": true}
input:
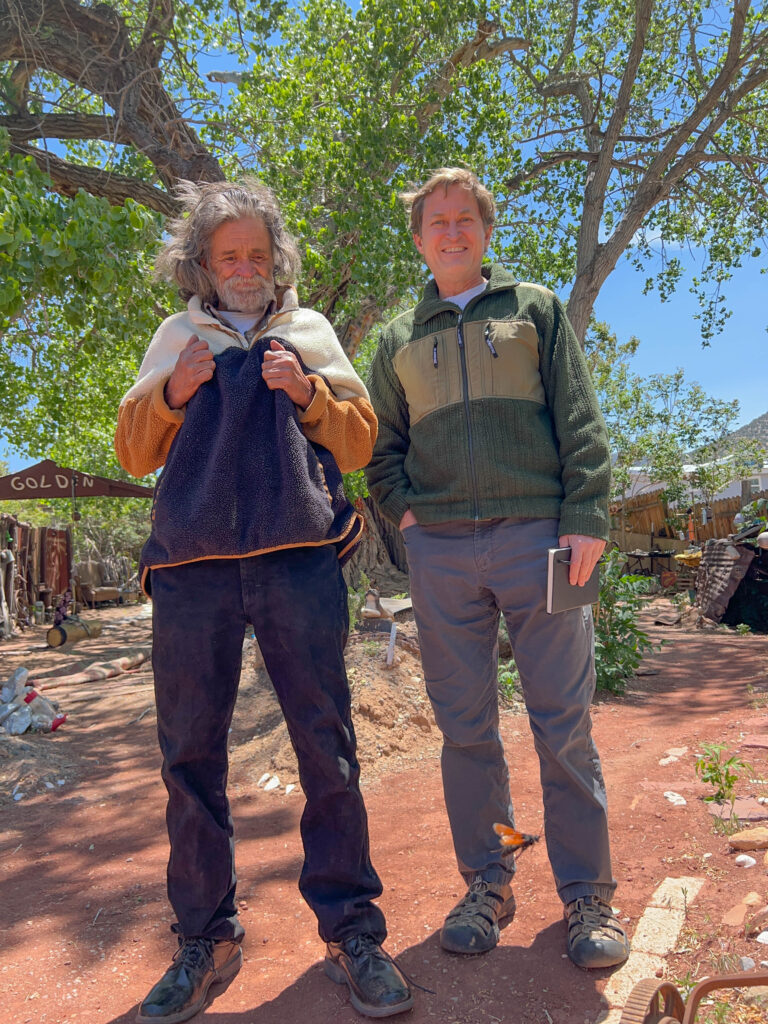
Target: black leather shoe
{"points": [[376, 985], [183, 989]]}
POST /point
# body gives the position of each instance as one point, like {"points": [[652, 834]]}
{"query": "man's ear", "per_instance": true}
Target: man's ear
{"points": [[417, 242], [488, 233]]}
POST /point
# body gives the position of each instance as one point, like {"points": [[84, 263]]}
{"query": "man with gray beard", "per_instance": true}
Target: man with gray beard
{"points": [[253, 409]]}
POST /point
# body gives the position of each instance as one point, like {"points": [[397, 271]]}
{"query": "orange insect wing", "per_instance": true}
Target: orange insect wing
{"points": [[511, 837]]}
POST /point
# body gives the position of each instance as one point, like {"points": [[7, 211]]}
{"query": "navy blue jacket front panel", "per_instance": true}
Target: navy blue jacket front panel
{"points": [[241, 478]]}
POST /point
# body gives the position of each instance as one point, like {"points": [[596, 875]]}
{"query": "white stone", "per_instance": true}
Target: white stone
{"points": [[658, 930], [290, 788], [263, 779], [273, 783], [677, 892], [746, 963], [763, 938], [675, 798], [745, 861], [668, 760]]}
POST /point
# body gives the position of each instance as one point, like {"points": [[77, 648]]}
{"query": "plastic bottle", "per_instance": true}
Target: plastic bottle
{"points": [[18, 721], [14, 687], [44, 715]]}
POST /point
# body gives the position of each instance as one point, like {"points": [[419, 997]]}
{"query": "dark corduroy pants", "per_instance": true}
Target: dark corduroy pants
{"points": [[297, 602]]}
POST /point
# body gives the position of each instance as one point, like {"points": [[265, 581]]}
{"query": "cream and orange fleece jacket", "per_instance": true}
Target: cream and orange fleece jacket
{"points": [[339, 417]]}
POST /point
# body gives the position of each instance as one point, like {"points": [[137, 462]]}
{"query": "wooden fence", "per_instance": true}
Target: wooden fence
{"points": [[38, 570], [647, 514]]}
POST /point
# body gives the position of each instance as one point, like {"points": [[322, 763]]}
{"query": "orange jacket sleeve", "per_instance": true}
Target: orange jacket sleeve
{"points": [[145, 428], [347, 428]]}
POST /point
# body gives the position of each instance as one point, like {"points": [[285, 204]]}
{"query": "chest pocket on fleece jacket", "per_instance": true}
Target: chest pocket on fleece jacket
{"points": [[514, 371], [430, 372]]}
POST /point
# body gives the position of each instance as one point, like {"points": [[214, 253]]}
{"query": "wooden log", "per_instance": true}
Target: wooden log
{"points": [[71, 630], [99, 670]]}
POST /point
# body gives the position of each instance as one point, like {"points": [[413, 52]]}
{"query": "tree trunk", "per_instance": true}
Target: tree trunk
{"points": [[390, 535], [381, 551]]}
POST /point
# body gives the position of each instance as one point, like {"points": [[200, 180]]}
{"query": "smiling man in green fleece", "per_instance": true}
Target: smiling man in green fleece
{"points": [[491, 450]]}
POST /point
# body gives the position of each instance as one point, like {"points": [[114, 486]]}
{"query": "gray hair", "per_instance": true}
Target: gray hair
{"points": [[208, 205]]}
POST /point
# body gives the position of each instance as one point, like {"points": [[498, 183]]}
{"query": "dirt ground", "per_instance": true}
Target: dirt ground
{"points": [[84, 918]]}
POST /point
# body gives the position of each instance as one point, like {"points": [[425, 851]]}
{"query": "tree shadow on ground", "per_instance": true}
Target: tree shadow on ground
{"points": [[512, 983]]}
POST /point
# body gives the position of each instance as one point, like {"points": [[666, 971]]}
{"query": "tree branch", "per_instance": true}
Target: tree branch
{"points": [[597, 260], [68, 178], [577, 85], [478, 48], [594, 194], [91, 48], [156, 31], [569, 38], [567, 156], [733, 61], [26, 127]]}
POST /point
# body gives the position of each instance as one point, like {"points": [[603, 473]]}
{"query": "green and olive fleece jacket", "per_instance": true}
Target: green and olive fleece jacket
{"points": [[489, 412]]}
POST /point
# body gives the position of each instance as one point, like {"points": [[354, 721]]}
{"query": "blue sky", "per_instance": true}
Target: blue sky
{"points": [[731, 367]]}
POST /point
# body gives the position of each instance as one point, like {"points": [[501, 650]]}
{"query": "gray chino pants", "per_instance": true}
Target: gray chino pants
{"points": [[463, 575]]}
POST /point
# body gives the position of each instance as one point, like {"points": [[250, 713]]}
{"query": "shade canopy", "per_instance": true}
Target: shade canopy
{"points": [[47, 480]]}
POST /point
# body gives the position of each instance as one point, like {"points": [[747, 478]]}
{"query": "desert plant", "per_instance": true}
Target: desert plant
{"points": [[619, 642], [721, 774], [356, 600], [509, 680]]}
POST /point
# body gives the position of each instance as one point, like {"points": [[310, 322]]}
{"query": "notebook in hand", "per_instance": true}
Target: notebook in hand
{"points": [[561, 595]]}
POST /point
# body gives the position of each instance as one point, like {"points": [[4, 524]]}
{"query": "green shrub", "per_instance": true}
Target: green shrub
{"points": [[509, 680], [721, 774], [619, 642], [356, 600], [355, 485]]}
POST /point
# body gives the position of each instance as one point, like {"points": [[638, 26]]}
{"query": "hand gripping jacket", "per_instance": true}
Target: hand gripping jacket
{"points": [[242, 479]]}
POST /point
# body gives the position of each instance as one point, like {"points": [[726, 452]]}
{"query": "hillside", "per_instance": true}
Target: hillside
{"points": [[756, 429]]}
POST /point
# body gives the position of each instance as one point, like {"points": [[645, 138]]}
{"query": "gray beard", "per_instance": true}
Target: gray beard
{"points": [[241, 295]]}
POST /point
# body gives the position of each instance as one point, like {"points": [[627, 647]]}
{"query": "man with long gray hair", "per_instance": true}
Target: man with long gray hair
{"points": [[252, 407]]}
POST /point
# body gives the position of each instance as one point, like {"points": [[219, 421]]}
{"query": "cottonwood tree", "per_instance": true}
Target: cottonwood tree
{"points": [[649, 129], [605, 129]]}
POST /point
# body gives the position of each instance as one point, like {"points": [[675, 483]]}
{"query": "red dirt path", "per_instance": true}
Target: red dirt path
{"points": [[84, 915]]}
